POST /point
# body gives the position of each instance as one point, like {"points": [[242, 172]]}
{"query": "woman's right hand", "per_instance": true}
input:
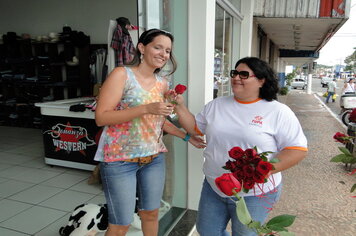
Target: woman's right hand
{"points": [[180, 99], [160, 108]]}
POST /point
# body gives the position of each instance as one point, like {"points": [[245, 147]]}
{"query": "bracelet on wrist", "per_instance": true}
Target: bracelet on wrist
{"points": [[186, 138]]}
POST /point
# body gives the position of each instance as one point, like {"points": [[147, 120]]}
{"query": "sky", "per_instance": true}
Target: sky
{"points": [[341, 43]]}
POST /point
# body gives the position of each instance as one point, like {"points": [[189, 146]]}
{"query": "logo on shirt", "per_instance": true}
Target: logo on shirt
{"points": [[257, 121]]}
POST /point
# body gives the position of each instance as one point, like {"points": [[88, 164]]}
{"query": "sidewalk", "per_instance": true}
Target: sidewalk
{"points": [[317, 191]]}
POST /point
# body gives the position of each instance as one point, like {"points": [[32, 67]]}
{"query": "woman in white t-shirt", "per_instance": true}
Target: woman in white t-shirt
{"points": [[349, 87], [250, 117]]}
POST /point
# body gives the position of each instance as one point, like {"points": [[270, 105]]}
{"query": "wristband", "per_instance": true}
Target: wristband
{"points": [[186, 138]]}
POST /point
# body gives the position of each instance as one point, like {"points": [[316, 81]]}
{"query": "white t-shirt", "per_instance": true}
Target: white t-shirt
{"points": [[332, 86], [270, 126], [349, 88]]}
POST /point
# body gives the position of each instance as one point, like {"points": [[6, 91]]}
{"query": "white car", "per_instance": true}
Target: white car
{"points": [[325, 80], [299, 83]]}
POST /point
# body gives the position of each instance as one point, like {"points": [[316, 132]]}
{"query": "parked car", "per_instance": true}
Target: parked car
{"points": [[299, 83], [325, 80]]}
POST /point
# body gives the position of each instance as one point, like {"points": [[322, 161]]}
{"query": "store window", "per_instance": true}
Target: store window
{"points": [[236, 4], [157, 14], [223, 52], [154, 14]]}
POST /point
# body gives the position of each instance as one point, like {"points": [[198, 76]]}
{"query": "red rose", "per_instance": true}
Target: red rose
{"points": [[264, 167], [255, 160], [180, 88], [239, 174], [248, 170], [231, 165], [250, 153], [342, 138], [240, 162], [258, 177], [236, 153], [248, 183], [226, 183], [352, 117]]}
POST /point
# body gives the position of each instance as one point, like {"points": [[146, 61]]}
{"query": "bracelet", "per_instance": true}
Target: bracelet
{"points": [[186, 138]]}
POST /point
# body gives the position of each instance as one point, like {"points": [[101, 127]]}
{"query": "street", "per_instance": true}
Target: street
{"points": [[319, 91]]}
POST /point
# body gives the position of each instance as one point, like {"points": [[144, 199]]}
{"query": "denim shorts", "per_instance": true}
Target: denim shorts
{"points": [[215, 212], [122, 179]]}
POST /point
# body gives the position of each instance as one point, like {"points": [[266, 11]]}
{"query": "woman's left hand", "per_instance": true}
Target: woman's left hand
{"points": [[197, 141]]}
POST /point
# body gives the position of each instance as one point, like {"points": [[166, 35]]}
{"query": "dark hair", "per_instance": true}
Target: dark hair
{"points": [[262, 70], [147, 37]]}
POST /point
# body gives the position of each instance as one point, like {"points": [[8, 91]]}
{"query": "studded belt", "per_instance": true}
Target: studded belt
{"points": [[142, 160]]}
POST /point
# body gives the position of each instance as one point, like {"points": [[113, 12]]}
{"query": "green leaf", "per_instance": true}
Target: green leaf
{"points": [[281, 221], [274, 160], [245, 190], [284, 233], [242, 212], [254, 225], [266, 153], [348, 159], [353, 188], [345, 150], [277, 228], [265, 230], [338, 158]]}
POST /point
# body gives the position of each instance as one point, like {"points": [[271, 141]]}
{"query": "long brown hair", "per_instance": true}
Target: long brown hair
{"points": [[147, 37]]}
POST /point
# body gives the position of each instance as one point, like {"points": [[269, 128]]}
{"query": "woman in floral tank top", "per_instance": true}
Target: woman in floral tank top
{"points": [[132, 108]]}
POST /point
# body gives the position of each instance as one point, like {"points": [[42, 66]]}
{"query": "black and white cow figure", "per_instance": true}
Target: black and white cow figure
{"points": [[86, 220]]}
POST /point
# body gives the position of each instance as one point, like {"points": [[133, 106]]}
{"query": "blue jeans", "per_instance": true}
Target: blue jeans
{"points": [[122, 179], [330, 94], [215, 212]]}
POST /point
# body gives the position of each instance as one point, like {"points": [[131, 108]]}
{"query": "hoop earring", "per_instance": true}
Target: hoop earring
{"points": [[141, 58]]}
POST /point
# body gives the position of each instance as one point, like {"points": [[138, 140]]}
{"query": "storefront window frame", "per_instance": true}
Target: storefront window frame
{"points": [[234, 50], [230, 8]]}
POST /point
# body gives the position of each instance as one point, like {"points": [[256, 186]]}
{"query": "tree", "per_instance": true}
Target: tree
{"points": [[350, 62]]}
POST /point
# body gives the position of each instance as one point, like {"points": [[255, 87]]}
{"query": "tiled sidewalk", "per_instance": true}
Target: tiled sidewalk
{"points": [[317, 191]]}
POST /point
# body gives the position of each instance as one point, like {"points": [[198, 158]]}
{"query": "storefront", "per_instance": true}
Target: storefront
{"points": [[207, 43]]}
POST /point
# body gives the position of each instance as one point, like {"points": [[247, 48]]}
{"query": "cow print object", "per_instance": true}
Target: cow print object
{"points": [[86, 220]]}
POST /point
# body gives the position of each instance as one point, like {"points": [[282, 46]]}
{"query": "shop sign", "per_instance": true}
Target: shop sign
{"points": [[70, 138]]}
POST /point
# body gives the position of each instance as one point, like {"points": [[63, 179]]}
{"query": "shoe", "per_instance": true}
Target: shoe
{"points": [[137, 222]]}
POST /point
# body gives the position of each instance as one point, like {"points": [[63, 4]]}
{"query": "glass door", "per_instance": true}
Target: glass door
{"points": [[159, 14]]}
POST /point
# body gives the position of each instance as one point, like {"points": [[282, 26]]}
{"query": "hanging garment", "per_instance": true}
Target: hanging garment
{"points": [[123, 47]]}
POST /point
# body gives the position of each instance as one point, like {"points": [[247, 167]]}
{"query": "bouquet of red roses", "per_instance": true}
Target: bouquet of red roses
{"points": [[248, 168]]}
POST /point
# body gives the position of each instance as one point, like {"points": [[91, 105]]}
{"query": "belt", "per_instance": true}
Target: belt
{"points": [[142, 160]]}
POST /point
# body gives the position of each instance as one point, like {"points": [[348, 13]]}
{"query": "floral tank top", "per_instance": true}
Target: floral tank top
{"points": [[138, 137]]}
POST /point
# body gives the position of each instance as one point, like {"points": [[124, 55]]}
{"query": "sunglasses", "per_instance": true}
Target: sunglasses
{"points": [[242, 74]]}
